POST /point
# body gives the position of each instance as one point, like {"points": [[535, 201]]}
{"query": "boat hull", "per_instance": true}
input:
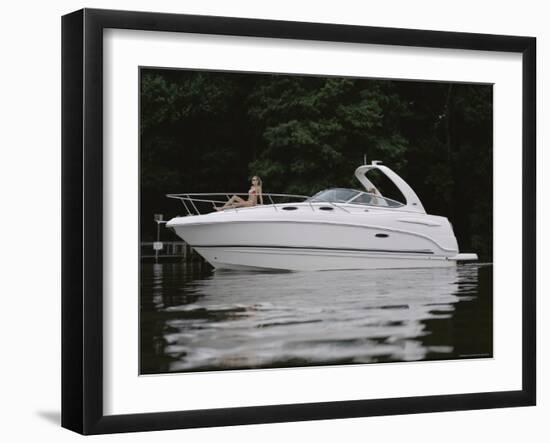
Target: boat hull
{"points": [[310, 259], [316, 245]]}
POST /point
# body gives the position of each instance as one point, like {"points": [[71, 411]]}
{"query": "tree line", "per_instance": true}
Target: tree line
{"points": [[210, 131]]}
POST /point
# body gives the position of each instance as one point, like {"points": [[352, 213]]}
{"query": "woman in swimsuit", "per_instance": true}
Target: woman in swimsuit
{"points": [[254, 195]]}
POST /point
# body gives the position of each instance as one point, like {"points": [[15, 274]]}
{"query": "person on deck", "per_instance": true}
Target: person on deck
{"points": [[254, 197]]}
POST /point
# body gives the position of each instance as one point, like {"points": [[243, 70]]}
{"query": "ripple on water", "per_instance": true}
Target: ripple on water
{"points": [[208, 320]]}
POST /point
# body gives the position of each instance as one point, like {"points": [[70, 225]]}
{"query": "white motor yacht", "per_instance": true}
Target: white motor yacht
{"points": [[335, 229]]}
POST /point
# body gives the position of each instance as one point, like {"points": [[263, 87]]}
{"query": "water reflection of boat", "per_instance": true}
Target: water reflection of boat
{"points": [[335, 229], [305, 319]]}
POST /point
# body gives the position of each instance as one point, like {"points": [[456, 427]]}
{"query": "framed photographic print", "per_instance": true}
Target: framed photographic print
{"points": [[269, 221]]}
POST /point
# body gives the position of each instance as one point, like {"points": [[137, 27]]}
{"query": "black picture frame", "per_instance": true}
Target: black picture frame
{"points": [[82, 218]]}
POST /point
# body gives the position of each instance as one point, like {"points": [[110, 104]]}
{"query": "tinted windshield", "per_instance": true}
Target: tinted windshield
{"points": [[338, 195], [375, 200], [341, 195]]}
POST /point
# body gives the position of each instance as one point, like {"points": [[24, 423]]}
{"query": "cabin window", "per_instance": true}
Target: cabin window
{"points": [[289, 208]]}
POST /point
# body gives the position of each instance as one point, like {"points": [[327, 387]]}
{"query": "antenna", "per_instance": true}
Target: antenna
{"points": [[364, 159]]}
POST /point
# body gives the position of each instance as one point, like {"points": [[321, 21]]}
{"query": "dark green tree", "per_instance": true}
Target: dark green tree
{"points": [[211, 131]]}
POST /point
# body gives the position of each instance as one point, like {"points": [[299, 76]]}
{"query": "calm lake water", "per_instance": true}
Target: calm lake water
{"points": [[195, 319]]}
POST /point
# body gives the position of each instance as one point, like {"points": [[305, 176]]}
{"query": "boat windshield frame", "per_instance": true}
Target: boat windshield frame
{"points": [[375, 200]]}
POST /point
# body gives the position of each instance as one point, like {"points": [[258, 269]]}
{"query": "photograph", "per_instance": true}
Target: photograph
{"points": [[296, 218], [293, 220]]}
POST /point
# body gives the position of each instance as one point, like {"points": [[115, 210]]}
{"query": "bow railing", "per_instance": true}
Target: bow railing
{"points": [[200, 203]]}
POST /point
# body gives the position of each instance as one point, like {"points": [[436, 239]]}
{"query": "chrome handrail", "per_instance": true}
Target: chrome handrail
{"points": [[188, 194], [193, 197]]}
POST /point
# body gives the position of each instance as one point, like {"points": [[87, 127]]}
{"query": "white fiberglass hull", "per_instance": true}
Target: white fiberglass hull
{"points": [[304, 259], [310, 240]]}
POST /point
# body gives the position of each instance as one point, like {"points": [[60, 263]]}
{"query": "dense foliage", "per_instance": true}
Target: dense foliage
{"points": [[211, 131]]}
